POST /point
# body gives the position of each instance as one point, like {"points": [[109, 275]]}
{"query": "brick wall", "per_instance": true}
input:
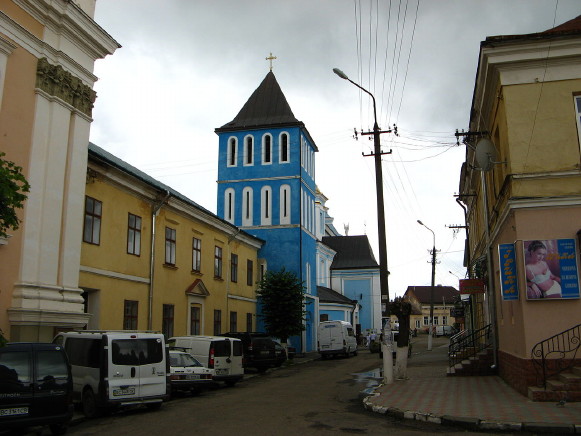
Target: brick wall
{"points": [[517, 372]]}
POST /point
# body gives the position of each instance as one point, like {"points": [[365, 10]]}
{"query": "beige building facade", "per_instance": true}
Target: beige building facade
{"points": [[527, 103], [47, 53], [152, 259]]}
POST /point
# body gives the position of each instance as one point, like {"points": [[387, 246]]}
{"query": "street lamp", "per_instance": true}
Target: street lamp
{"points": [[432, 289], [383, 273]]}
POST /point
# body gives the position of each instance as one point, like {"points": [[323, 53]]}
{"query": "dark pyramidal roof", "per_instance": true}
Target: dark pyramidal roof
{"points": [[266, 107], [352, 252], [442, 294]]}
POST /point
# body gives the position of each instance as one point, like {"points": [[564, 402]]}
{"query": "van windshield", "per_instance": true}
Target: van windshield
{"points": [[136, 351]]}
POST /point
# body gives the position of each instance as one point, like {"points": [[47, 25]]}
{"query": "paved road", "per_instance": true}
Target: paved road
{"points": [[315, 398]]}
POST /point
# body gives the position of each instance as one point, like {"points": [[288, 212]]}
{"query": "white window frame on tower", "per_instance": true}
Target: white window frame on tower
{"points": [[229, 205], [287, 147], [248, 162], [266, 206], [232, 147], [247, 202], [267, 153], [285, 204]]}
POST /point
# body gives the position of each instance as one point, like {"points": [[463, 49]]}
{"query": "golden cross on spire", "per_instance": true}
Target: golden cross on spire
{"points": [[270, 59]]}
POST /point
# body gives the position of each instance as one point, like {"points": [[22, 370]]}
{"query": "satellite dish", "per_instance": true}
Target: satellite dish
{"points": [[485, 154]]}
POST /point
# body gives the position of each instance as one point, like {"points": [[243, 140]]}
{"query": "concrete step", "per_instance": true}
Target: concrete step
{"points": [[576, 370]]}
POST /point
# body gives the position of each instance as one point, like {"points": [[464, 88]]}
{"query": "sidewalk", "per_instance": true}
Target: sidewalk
{"points": [[476, 403]]}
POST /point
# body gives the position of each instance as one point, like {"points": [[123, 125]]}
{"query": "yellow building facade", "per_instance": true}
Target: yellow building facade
{"points": [[47, 53], [526, 102], [152, 259]]}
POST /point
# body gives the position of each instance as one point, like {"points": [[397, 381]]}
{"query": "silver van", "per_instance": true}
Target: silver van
{"points": [[117, 368]]}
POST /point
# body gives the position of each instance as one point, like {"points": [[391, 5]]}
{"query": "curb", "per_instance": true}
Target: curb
{"points": [[467, 423]]}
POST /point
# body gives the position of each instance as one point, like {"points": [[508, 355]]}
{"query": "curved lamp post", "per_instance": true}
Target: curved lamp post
{"points": [[430, 332], [383, 273]]}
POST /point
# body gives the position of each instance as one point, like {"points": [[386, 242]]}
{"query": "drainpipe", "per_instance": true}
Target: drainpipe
{"points": [[228, 275], [156, 209]]}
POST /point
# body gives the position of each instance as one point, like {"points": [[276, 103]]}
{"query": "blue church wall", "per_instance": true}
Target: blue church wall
{"points": [[360, 290], [293, 205], [335, 315], [275, 168]]}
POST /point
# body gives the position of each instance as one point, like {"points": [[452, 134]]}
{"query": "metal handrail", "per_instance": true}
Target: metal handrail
{"points": [[466, 344], [556, 354]]}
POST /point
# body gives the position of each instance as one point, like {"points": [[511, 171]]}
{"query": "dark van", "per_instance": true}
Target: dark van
{"points": [[259, 350], [36, 387]]}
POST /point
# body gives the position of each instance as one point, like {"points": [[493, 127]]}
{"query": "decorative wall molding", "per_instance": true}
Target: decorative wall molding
{"points": [[56, 81]]}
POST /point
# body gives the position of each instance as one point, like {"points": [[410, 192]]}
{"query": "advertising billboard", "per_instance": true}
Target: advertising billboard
{"points": [[508, 275], [551, 269]]}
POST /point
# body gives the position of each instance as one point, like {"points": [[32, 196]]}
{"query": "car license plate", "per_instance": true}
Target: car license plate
{"points": [[265, 352], [124, 391], [14, 411], [221, 371], [325, 346], [192, 377]]}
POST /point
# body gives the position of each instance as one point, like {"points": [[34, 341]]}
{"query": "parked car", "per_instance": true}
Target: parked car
{"points": [[187, 374], [36, 387], [259, 349], [290, 350], [116, 368], [220, 354]]}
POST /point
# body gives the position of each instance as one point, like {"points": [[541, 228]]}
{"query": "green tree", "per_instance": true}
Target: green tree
{"points": [[281, 295], [13, 186]]}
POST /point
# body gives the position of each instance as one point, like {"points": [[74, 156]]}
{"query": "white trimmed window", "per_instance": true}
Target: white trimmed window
{"points": [[283, 148], [248, 150], [229, 204], [266, 206], [267, 149], [285, 204], [247, 202], [232, 151], [578, 115]]}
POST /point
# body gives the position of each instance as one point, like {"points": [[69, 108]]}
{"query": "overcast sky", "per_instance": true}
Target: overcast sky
{"points": [[187, 67]]}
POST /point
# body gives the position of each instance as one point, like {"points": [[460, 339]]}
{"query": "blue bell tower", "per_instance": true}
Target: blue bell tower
{"points": [[266, 186]]}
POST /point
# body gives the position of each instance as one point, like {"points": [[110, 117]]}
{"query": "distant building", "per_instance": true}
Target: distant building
{"points": [[47, 55], [443, 300], [524, 186]]}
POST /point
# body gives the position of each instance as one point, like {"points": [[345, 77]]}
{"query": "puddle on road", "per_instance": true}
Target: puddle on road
{"points": [[371, 378]]}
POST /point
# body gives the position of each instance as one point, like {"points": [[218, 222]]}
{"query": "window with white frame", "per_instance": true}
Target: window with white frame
{"points": [[285, 204], [266, 206], [578, 115], [435, 320], [248, 150], [267, 149], [444, 320], [418, 323], [426, 321], [283, 148], [247, 202], [229, 203], [232, 151]]}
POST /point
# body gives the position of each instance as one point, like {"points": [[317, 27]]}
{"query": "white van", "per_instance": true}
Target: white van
{"points": [[117, 368], [222, 355], [336, 337]]}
